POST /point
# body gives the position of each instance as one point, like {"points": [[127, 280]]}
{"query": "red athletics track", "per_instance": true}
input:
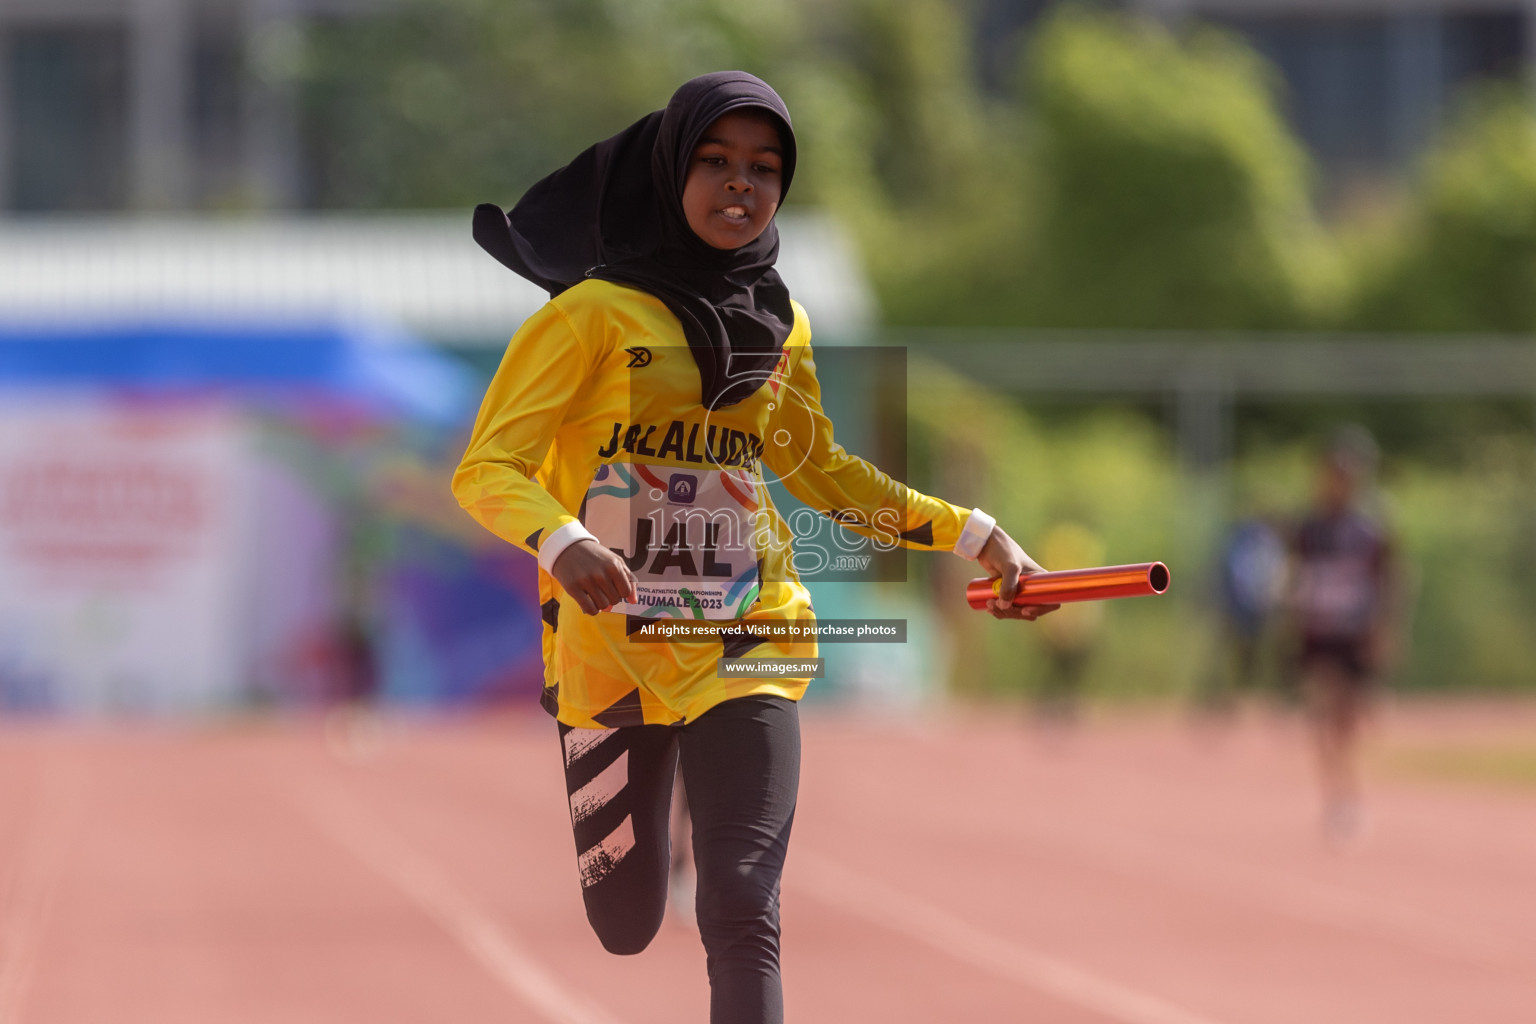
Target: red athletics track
{"points": [[957, 869]]}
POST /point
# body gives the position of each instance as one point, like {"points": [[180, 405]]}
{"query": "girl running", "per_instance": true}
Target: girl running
{"points": [[623, 442], [1346, 605]]}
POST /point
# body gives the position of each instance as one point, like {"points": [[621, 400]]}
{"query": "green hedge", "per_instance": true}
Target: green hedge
{"points": [[1171, 192], [1464, 530], [1460, 255]]}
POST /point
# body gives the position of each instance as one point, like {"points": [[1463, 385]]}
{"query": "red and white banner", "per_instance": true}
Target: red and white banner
{"points": [[120, 541]]}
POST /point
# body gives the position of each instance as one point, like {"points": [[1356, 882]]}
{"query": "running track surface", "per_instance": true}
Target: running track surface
{"points": [[964, 868]]}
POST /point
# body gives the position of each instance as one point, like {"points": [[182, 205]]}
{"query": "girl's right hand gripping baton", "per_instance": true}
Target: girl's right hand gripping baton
{"points": [[1141, 580]]}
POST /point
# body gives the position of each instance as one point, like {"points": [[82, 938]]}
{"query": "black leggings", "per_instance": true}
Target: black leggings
{"points": [[741, 769]]}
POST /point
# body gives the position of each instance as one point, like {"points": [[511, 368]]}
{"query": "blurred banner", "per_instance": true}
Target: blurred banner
{"points": [[225, 447], [120, 553], [198, 517]]}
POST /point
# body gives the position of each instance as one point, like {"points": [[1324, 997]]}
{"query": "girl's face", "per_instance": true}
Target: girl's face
{"points": [[735, 178]]}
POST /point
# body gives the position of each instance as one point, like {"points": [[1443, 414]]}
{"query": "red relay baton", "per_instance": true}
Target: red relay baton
{"points": [[1143, 579]]}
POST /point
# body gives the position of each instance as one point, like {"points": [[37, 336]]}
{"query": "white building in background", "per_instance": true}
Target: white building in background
{"points": [[422, 271]]}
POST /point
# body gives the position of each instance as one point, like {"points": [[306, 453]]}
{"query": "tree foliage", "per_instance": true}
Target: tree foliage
{"points": [[452, 102], [1462, 254], [1132, 178], [1172, 194]]}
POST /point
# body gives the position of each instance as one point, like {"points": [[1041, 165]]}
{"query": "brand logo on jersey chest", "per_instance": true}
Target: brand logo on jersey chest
{"points": [[681, 488]]}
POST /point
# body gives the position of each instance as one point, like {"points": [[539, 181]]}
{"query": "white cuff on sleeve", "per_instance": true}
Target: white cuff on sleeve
{"points": [[974, 537], [557, 542]]}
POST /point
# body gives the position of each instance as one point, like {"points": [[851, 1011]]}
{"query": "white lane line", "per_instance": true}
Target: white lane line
{"points": [[491, 944], [923, 922], [25, 911]]}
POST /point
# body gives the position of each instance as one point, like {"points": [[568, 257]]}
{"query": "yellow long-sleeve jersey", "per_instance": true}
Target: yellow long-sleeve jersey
{"points": [[593, 428]]}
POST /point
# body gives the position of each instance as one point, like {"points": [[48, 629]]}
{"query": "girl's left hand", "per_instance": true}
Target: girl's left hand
{"points": [[1003, 559]]}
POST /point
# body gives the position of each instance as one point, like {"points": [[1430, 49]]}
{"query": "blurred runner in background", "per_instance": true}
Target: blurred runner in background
{"points": [[1344, 611], [1251, 579]]}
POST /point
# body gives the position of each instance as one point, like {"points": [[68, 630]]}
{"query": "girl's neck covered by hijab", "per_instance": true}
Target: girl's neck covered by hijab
{"points": [[616, 213]]}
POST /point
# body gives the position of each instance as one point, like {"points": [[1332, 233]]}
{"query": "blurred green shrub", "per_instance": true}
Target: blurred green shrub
{"points": [[1171, 192], [1467, 531], [1134, 180], [1461, 255]]}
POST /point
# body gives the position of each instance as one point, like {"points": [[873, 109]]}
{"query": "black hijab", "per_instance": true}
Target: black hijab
{"points": [[616, 212]]}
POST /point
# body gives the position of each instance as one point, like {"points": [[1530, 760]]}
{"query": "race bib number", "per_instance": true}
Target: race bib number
{"points": [[1337, 595], [686, 534]]}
